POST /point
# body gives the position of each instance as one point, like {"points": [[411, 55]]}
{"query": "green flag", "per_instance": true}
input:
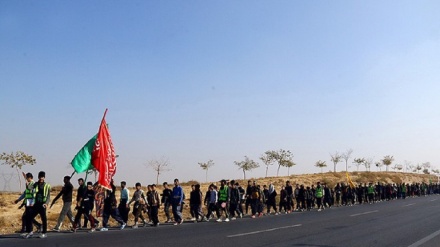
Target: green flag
{"points": [[82, 161]]}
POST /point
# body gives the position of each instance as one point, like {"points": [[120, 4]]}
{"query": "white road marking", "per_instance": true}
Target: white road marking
{"points": [[433, 200], [267, 230], [369, 212], [425, 239], [409, 205]]}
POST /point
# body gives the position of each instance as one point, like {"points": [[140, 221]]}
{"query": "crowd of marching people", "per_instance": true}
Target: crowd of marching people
{"points": [[227, 201]]}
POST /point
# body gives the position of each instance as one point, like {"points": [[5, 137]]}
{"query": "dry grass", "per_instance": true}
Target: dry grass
{"points": [[10, 216]]}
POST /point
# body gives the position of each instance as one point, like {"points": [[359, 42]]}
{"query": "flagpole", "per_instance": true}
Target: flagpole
{"points": [[105, 113]]}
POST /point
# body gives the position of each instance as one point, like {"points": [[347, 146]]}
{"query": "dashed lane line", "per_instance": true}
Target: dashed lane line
{"points": [[407, 205], [425, 239], [369, 212], [267, 230]]}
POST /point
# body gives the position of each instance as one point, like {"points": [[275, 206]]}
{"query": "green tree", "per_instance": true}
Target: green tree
{"points": [[288, 165], [267, 159], [17, 160], [281, 157], [359, 162], [205, 166], [387, 160], [246, 165], [335, 158], [320, 164]]}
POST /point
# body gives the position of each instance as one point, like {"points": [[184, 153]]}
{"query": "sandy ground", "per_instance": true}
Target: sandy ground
{"points": [[10, 215]]}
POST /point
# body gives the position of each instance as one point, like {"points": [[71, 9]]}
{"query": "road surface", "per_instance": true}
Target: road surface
{"points": [[412, 222]]}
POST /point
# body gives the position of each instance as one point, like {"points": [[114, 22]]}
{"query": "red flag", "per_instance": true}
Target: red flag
{"points": [[103, 155]]}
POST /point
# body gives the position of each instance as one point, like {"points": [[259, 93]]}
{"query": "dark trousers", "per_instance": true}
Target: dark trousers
{"points": [[32, 212], [23, 222], [319, 202], [87, 214], [166, 209], [124, 210], [234, 207], [271, 203], [154, 211], [196, 211], [255, 203], [289, 203], [212, 207], [220, 209], [248, 203], [114, 213]]}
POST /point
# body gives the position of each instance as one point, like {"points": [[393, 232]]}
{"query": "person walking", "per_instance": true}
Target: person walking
{"points": [[271, 200], [154, 203], [223, 201], [319, 194], [289, 197], [66, 193], [212, 203], [86, 207], [42, 199], [196, 201], [139, 202], [29, 200], [234, 201], [177, 202], [110, 209], [167, 195], [123, 207]]}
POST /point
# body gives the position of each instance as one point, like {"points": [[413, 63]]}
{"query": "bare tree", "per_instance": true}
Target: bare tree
{"points": [[205, 166], [359, 162], [320, 164], [17, 160], [159, 166], [407, 165], [335, 158], [367, 163], [246, 165], [346, 156], [387, 160]]}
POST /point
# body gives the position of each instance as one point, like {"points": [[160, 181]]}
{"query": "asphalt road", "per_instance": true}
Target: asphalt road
{"points": [[411, 223]]}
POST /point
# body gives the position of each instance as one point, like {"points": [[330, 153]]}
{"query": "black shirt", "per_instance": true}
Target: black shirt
{"points": [[66, 192]]}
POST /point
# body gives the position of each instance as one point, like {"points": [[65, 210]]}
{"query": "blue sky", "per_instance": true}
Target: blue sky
{"points": [[200, 80]]}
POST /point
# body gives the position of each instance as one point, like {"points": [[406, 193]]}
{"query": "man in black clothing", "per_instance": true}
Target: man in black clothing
{"points": [[79, 197], [248, 196], [289, 197], [166, 200], [66, 192], [86, 206], [234, 200], [110, 209]]}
